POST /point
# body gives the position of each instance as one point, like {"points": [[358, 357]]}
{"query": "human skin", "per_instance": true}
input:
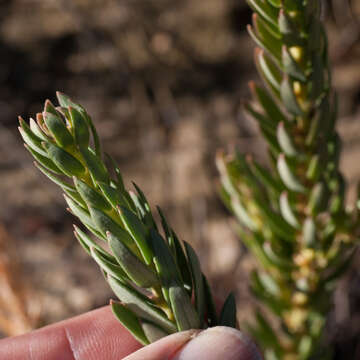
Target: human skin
{"points": [[97, 335]]}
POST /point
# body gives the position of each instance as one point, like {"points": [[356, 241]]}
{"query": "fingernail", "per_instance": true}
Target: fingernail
{"points": [[219, 343]]}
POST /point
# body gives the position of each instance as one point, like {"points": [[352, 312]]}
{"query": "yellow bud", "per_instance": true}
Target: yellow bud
{"points": [[305, 257], [295, 319], [297, 53], [297, 88], [299, 299]]}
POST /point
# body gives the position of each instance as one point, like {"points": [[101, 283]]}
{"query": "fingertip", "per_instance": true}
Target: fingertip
{"points": [[219, 343], [95, 335], [165, 348]]}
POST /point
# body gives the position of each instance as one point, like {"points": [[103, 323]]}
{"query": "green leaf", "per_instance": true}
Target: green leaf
{"points": [[269, 284], [178, 252], [275, 3], [32, 140], [130, 321], [112, 195], [69, 165], [287, 211], [288, 97], [65, 101], [167, 231], [197, 280], [318, 199], [183, 264], [266, 45], [267, 103], [36, 130], [268, 33], [271, 142], [288, 29], [74, 195], [91, 196], [287, 176], [266, 178], [285, 141], [211, 313], [120, 181], [139, 305], [135, 269], [241, 213], [265, 10], [309, 232], [314, 169], [278, 225], [147, 217], [291, 67], [184, 312], [164, 262], [319, 124], [58, 129], [228, 312], [317, 76], [44, 161], [104, 224], [95, 166], [90, 243], [110, 268], [137, 231], [79, 212], [269, 72], [277, 306], [152, 332], [80, 126], [254, 243], [276, 260], [50, 108], [263, 120]]}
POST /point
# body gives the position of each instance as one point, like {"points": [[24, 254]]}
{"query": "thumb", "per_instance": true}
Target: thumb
{"points": [[212, 344]]}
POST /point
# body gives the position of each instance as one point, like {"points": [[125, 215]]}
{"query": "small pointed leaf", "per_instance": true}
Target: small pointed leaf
{"points": [[138, 232], [285, 141], [109, 267], [287, 176], [91, 196], [58, 129], [104, 224], [228, 312], [153, 332], [289, 98], [136, 270], [69, 165], [139, 304], [197, 280], [130, 321], [291, 67], [287, 212], [95, 165], [185, 314], [80, 126], [31, 139]]}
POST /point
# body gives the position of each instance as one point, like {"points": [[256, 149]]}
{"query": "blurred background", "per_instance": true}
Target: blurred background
{"points": [[163, 81]]}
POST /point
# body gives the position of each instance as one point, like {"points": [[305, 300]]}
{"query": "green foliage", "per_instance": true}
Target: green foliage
{"points": [[153, 276], [292, 217]]}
